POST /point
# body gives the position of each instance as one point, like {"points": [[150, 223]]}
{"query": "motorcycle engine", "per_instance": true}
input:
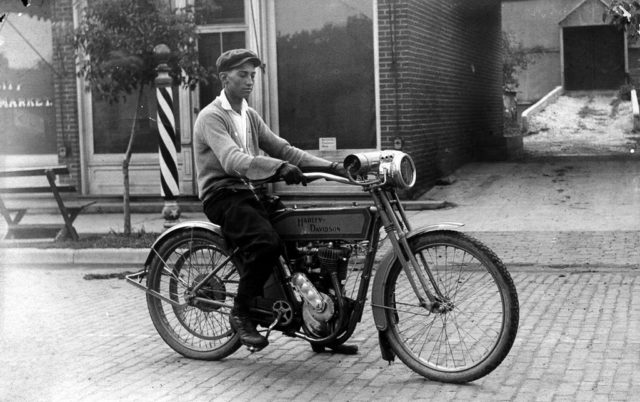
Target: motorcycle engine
{"points": [[319, 261]]}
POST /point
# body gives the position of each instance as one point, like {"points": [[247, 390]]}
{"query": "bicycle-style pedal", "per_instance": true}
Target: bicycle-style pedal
{"points": [[254, 348], [273, 324]]}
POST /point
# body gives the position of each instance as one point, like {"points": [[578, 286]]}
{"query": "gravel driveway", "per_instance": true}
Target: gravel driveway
{"points": [[583, 125]]}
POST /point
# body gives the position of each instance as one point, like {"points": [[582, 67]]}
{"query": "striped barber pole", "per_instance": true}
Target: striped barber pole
{"points": [[167, 148]]}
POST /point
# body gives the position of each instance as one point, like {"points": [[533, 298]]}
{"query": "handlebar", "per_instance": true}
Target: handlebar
{"points": [[310, 176], [328, 177], [339, 179], [380, 168]]}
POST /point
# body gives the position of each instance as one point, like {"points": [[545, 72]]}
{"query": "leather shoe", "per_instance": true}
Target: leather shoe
{"points": [[246, 329]]}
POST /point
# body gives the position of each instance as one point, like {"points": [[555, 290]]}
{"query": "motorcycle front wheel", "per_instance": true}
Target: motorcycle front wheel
{"points": [[473, 324], [191, 326]]}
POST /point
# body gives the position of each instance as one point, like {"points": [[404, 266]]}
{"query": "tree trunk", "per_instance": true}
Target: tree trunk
{"points": [[125, 167]]}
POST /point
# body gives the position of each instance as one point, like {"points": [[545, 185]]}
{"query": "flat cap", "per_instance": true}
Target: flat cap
{"points": [[236, 57]]}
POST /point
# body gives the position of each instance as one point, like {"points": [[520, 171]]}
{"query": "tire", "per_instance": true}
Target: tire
{"points": [[471, 336], [195, 331]]}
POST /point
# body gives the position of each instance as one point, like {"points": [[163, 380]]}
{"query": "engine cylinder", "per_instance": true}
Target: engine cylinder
{"points": [[335, 260], [308, 292]]}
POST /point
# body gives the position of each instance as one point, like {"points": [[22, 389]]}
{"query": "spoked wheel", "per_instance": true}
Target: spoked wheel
{"points": [[470, 329], [196, 325]]}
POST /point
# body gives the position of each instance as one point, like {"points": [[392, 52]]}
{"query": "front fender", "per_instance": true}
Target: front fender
{"points": [[180, 227], [382, 273]]}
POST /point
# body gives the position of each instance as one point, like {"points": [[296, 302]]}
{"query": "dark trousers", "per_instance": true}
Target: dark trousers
{"points": [[244, 219]]}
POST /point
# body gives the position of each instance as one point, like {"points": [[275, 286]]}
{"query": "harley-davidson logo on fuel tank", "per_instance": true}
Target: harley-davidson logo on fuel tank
{"points": [[317, 224], [309, 224]]}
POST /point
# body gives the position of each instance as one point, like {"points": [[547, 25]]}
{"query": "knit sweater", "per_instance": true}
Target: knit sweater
{"points": [[222, 160]]}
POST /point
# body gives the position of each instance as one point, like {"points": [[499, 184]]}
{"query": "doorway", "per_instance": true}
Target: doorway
{"points": [[594, 58]]}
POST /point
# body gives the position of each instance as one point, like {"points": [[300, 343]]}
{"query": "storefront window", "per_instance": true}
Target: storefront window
{"points": [[112, 123], [27, 112], [326, 72]]}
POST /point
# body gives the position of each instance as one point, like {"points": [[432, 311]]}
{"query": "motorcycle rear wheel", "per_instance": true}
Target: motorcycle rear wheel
{"points": [[197, 331], [473, 333]]}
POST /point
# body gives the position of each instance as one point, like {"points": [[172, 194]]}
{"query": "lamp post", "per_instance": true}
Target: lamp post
{"points": [[167, 141]]}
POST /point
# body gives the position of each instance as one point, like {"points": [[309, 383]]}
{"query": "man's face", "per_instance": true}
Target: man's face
{"points": [[239, 81]]}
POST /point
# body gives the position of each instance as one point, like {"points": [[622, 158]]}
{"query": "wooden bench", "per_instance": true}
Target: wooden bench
{"points": [[15, 229]]}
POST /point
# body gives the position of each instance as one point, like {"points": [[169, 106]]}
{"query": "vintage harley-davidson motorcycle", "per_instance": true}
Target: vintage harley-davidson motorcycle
{"points": [[442, 302]]}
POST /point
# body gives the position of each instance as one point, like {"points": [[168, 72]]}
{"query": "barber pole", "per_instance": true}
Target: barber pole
{"points": [[167, 149], [166, 144]]}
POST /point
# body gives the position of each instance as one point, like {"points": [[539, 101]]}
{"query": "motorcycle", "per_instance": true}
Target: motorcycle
{"points": [[442, 301]]}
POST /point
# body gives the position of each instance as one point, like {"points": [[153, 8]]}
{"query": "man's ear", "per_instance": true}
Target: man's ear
{"points": [[223, 76]]}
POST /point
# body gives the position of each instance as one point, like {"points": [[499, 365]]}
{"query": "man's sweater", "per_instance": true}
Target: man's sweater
{"points": [[221, 159]]}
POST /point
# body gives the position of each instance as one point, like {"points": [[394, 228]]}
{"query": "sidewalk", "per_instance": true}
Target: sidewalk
{"points": [[92, 223], [560, 212]]}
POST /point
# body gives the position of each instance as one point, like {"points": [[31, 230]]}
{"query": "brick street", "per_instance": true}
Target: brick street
{"points": [[66, 338], [573, 252]]}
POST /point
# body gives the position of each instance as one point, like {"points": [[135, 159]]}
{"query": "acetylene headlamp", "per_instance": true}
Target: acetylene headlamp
{"points": [[396, 167]]}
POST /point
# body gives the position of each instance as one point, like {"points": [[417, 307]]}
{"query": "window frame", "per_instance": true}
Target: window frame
{"points": [[220, 29]]}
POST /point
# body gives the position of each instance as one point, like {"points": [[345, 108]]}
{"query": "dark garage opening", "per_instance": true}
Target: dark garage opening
{"points": [[593, 58]]}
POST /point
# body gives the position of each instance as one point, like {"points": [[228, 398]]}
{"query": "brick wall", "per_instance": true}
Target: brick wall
{"points": [[441, 82], [65, 88]]}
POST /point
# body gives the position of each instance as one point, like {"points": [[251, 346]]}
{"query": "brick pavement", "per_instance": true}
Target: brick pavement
{"points": [[65, 338], [560, 249], [563, 248]]}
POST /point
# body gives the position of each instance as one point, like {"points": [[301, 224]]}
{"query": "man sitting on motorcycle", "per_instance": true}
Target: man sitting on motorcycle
{"points": [[228, 138]]}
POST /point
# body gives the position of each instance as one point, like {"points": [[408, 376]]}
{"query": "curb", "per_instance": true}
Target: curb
{"points": [[538, 106], [108, 256], [636, 110]]}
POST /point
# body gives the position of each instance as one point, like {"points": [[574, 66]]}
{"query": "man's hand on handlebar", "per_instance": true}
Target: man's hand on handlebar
{"points": [[291, 174]]}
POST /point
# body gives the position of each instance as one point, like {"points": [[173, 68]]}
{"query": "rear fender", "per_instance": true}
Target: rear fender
{"points": [[382, 273], [181, 227]]}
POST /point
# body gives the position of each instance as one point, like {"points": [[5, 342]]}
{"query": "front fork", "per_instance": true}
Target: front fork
{"points": [[396, 225]]}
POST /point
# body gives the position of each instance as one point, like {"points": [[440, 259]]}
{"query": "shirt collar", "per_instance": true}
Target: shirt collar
{"points": [[227, 106]]}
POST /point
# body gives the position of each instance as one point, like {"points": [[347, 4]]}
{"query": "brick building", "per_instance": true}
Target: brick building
{"points": [[342, 76]]}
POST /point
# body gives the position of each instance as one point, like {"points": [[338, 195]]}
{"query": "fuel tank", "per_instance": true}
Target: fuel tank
{"points": [[308, 224]]}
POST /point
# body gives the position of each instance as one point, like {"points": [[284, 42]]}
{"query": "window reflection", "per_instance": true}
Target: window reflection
{"points": [[219, 12], [326, 72], [112, 123], [27, 112]]}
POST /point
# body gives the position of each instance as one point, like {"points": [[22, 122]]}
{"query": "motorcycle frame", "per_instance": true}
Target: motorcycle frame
{"points": [[387, 213]]}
